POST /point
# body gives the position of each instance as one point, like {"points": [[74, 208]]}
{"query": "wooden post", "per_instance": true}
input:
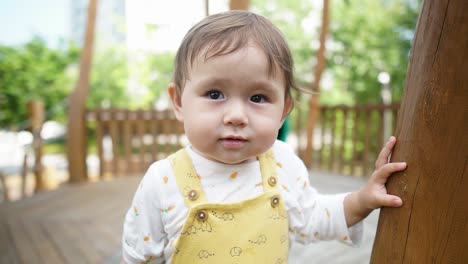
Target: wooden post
{"points": [[36, 118], [299, 126], [207, 7], [76, 128], [239, 4], [314, 103], [431, 227], [342, 164], [24, 174], [4, 186]]}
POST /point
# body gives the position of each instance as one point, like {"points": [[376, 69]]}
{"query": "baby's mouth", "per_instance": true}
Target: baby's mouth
{"points": [[233, 142]]}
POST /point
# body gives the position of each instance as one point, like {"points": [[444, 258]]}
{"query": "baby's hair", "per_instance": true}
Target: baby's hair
{"points": [[226, 32]]}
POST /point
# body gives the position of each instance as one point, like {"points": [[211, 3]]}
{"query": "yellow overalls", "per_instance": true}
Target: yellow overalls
{"points": [[251, 231]]}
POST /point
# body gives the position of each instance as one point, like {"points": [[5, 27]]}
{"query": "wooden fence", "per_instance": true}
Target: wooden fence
{"points": [[346, 141], [128, 142]]}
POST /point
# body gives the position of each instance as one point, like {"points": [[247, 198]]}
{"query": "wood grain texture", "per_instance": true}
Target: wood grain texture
{"points": [[432, 128], [82, 223], [78, 223], [76, 126]]}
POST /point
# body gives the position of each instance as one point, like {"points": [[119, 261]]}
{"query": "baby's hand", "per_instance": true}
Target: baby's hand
{"points": [[374, 194], [358, 205]]}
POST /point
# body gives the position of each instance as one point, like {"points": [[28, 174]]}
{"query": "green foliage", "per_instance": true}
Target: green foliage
{"points": [[33, 71], [109, 78], [291, 17], [155, 74], [368, 37]]}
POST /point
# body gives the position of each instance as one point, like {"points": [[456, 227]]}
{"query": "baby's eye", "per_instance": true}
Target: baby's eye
{"points": [[258, 98], [215, 95]]}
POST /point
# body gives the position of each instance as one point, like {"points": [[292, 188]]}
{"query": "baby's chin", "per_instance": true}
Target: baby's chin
{"points": [[234, 162], [227, 159], [231, 160]]}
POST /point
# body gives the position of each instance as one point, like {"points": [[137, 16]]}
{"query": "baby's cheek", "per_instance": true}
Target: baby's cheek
{"points": [[268, 128]]}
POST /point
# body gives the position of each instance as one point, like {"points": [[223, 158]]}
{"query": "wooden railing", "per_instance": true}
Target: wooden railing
{"points": [[128, 142], [347, 139]]}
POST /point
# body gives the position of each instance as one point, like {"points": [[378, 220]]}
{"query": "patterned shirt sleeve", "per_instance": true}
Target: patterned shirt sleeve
{"points": [[314, 216], [143, 238]]}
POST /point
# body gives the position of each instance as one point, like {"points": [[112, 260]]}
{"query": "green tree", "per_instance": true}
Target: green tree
{"points": [[292, 18], [155, 74], [33, 71], [368, 37], [109, 78]]}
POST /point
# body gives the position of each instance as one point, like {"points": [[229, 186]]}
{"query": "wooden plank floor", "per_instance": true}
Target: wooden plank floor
{"points": [[79, 223], [82, 223]]}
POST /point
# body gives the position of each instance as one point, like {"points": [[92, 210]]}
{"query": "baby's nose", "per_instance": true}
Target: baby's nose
{"points": [[236, 115]]}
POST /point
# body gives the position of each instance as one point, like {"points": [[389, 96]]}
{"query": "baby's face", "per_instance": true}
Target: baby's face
{"points": [[231, 108]]}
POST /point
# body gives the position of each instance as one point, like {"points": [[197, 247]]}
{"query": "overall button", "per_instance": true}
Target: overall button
{"points": [[275, 201], [202, 215], [192, 195], [272, 181]]}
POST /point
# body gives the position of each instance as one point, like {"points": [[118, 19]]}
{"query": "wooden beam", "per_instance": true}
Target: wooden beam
{"points": [[431, 227], [314, 102], [36, 117], [76, 128], [239, 4], [6, 196], [207, 7]]}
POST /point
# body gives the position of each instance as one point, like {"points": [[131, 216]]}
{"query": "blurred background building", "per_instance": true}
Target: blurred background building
{"points": [[111, 18]]}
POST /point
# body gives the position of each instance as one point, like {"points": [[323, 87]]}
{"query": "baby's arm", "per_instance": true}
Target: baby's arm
{"points": [[143, 236], [312, 216], [358, 205]]}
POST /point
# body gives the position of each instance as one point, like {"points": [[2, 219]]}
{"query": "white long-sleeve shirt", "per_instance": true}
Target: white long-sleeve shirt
{"points": [[158, 212]]}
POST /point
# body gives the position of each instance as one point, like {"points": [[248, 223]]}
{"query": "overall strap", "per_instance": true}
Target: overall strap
{"points": [[189, 184], [187, 178], [268, 171]]}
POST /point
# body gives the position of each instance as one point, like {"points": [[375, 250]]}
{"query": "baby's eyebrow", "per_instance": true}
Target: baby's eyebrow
{"points": [[258, 85], [264, 85], [210, 81]]}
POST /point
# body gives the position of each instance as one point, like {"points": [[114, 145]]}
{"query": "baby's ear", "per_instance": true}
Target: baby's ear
{"points": [[176, 100], [288, 104]]}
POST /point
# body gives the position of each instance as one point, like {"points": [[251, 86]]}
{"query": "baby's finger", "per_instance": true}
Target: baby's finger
{"points": [[389, 200], [382, 159], [381, 175]]}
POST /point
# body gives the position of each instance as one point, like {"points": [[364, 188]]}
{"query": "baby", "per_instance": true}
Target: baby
{"points": [[235, 194]]}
